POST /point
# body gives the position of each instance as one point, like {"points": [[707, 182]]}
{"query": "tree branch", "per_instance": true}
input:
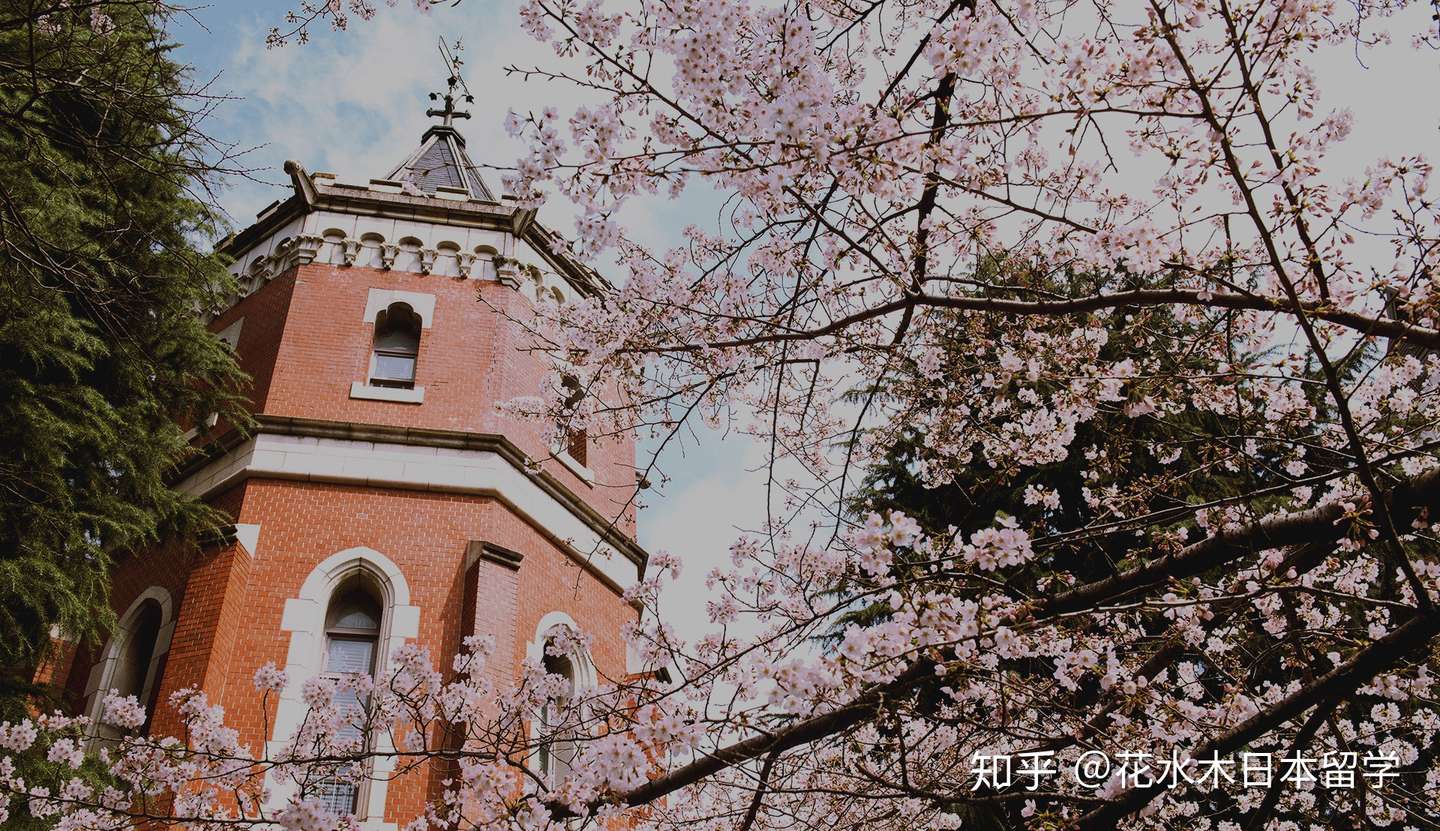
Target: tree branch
{"points": [[1336, 684], [1322, 523], [1368, 325]]}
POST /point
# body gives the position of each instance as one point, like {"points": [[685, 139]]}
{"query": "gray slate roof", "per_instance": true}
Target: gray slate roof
{"points": [[441, 161]]}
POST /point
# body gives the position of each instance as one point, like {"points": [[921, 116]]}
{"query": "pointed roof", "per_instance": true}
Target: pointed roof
{"points": [[441, 161]]}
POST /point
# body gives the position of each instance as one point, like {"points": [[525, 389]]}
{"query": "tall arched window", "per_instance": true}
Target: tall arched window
{"points": [[133, 660], [138, 651], [558, 746], [397, 346], [315, 623], [352, 639]]}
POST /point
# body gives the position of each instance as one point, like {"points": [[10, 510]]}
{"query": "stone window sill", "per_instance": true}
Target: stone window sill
{"points": [[359, 389], [586, 474]]}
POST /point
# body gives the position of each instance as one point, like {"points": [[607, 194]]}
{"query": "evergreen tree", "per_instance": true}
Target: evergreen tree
{"points": [[104, 266]]}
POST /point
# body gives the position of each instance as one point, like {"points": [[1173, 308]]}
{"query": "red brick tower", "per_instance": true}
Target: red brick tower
{"points": [[384, 499]]}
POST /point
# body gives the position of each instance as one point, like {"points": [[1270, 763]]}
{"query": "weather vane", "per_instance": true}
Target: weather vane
{"points": [[456, 83]]}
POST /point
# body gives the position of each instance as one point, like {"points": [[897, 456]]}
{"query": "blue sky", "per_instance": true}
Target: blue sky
{"points": [[353, 103]]}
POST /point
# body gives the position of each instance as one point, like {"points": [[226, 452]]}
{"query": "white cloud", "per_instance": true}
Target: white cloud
{"points": [[712, 498], [353, 103]]}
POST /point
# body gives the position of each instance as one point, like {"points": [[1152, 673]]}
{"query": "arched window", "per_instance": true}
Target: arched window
{"points": [[133, 661], [397, 345], [352, 639], [138, 652], [558, 746], [323, 615], [352, 629]]}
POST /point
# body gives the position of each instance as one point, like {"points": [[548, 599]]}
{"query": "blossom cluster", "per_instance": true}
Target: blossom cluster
{"points": [[1098, 383]]}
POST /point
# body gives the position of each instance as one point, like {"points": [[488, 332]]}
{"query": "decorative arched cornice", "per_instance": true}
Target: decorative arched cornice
{"points": [[322, 581]]}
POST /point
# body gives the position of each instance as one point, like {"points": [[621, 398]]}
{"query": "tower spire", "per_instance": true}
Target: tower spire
{"points": [[441, 161], [455, 88]]}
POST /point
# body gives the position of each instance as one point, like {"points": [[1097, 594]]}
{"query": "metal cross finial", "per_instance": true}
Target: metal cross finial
{"points": [[456, 82]]}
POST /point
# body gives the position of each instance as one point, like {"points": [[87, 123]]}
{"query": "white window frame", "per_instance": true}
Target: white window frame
{"points": [[377, 301], [304, 619], [583, 664], [375, 351], [102, 674]]}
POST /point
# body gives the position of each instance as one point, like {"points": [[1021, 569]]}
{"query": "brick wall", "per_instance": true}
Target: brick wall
{"points": [[470, 360], [305, 340], [233, 600], [426, 535]]}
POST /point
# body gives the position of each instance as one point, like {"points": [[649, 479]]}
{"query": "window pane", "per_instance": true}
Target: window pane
{"points": [[350, 655], [394, 367], [566, 751], [338, 796], [398, 340], [139, 651], [355, 609], [560, 665], [355, 617], [348, 703], [349, 652], [557, 758]]}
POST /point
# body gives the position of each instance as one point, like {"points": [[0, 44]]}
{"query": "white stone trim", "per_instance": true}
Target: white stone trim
{"points": [[248, 535], [582, 662], [399, 395], [586, 474], [231, 334], [304, 619], [103, 672], [345, 239], [535, 649], [634, 663], [210, 421], [342, 239], [385, 464], [547, 286], [379, 300]]}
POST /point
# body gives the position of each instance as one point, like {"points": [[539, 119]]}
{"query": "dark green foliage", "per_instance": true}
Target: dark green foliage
{"points": [[103, 267]]}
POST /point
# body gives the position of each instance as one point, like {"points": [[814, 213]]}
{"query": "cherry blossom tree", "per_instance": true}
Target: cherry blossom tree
{"points": [[1100, 391]]}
